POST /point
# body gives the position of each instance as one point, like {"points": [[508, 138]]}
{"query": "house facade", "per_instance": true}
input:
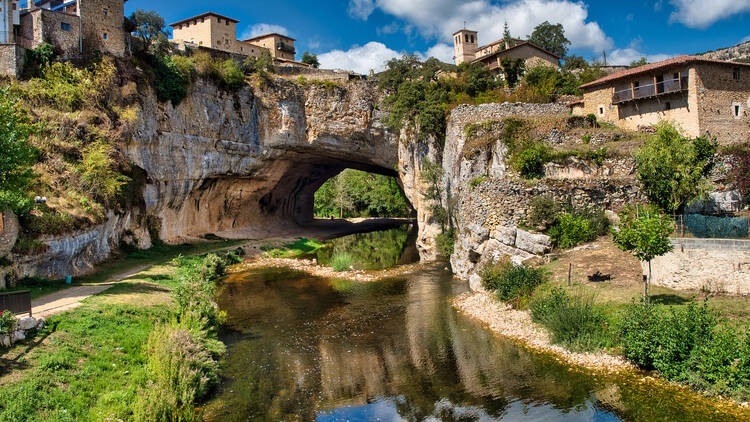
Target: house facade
{"points": [[466, 50], [280, 46], [700, 96], [212, 30]]}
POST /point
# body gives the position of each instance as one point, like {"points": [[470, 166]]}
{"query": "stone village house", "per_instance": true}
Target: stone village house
{"points": [[702, 96], [491, 55]]}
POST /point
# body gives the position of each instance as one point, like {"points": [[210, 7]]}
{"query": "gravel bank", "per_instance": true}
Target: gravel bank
{"points": [[517, 325], [311, 267]]}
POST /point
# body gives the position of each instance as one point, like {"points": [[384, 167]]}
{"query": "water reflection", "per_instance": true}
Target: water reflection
{"points": [[373, 251], [308, 349]]}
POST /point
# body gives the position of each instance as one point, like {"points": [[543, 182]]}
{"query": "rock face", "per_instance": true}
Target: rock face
{"points": [[8, 232], [244, 164]]}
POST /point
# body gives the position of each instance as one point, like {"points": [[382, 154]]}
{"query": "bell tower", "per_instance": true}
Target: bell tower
{"points": [[464, 46]]}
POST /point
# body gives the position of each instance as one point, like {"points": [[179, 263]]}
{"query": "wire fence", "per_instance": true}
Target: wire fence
{"points": [[711, 227]]}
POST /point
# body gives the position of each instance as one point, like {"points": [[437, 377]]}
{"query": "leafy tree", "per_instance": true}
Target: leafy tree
{"points": [[478, 78], [261, 65], [638, 63], [169, 82], [551, 38], [672, 169], [574, 62], [512, 70], [311, 59], [354, 193], [232, 76], [18, 155], [645, 234], [148, 25]]}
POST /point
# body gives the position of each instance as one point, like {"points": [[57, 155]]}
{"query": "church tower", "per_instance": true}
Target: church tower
{"points": [[464, 46]]}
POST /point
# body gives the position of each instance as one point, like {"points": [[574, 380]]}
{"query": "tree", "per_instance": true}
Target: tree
{"points": [[18, 155], [148, 25], [512, 70], [506, 35], [638, 63], [672, 169], [311, 59], [574, 62], [645, 234], [551, 38], [261, 65]]}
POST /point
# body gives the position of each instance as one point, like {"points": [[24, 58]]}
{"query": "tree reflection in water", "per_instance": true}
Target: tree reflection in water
{"points": [[306, 348], [375, 250]]}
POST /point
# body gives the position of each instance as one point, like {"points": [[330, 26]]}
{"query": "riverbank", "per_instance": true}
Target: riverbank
{"points": [[311, 267]]}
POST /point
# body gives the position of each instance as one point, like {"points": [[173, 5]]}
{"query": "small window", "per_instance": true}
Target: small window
{"points": [[105, 36], [65, 26], [106, 12], [472, 39], [667, 106], [736, 73], [227, 23], [601, 111], [676, 76], [737, 109], [466, 37]]}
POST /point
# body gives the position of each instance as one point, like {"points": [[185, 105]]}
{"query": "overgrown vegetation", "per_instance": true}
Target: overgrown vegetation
{"points": [[566, 224], [342, 261], [18, 154], [512, 283], [354, 193], [576, 322]]}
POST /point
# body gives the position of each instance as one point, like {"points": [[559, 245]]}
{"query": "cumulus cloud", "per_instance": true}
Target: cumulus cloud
{"points": [[389, 29], [361, 59], [625, 56], [441, 18], [263, 28], [702, 14], [361, 9], [442, 52]]}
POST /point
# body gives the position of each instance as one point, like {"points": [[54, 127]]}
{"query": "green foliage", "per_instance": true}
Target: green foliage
{"points": [[186, 66], [512, 283], [297, 248], [98, 173], [551, 82], [29, 246], [566, 224], [722, 366], [512, 70], [445, 242], [65, 87], [261, 65], [551, 38], [638, 63], [311, 59], [644, 233], [354, 193], [38, 58], [7, 322], [18, 155], [530, 160], [477, 181], [342, 262], [149, 25], [571, 231], [672, 169], [740, 175], [232, 76], [169, 81], [575, 322]]}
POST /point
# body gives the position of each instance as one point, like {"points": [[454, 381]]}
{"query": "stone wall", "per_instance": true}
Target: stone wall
{"points": [[717, 95], [714, 265], [311, 73], [11, 59], [46, 26], [100, 17]]}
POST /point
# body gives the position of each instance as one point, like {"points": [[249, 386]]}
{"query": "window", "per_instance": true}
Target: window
{"points": [[667, 106], [736, 73], [105, 36], [227, 23], [472, 39], [466, 37], [601, 111], [737, 110], [65, 26], [106, 12]]}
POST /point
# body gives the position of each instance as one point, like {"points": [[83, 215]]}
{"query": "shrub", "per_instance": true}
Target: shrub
{"points": [[477, 181], [571, 231], [445, 242], [232, 76], [512, 283], [664, 340], [205, 65], [29, 246], [186, 67], [574, 322], [543, 213], [8, 322], [722, 365], [182, 370], [169, 81], [342, 262], [36, 59], [531, 159], [591, 119], [98, 173]]}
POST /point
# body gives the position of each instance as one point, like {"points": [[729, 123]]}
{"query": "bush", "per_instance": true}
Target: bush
{"points": [[722, 366], [232, 76], [8, 322], [511, 283], [575, 322], [169, 81], [186, 67], [342, 262], [182, 370], [98, 172], [29, 246], [445, 242], [571, 231], [664, 340], [37, 58], [530, 160]]}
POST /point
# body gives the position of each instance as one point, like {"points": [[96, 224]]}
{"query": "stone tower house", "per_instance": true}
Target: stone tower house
{"points": [[102, 23], [465, 46]]}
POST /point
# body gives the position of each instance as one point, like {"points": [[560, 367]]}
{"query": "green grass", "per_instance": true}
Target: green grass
{"points": [[342, 262], [295, 249]]}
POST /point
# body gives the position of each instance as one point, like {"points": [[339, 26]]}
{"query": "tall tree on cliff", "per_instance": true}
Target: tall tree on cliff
{"points": [[17, 154], [149, 26], [311, 59], [551, 38]]}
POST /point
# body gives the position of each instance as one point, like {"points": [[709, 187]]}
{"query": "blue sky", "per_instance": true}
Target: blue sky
{"points": [[364, 34]]}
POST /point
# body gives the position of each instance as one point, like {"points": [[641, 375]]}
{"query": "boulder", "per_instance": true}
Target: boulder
{"points": [[538, 244], [717, 202], [475, 283], [612, 216], [477, 234], [27, 323], [505, 235], [17, 336], [5, 340], [495, 251], [8, 232]]}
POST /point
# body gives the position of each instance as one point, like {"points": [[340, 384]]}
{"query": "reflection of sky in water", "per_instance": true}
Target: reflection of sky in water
{"points": [[385, 410]]}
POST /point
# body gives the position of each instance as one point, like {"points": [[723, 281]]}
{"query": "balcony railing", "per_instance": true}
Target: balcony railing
{"points": [[286, 48], [668, 86]]}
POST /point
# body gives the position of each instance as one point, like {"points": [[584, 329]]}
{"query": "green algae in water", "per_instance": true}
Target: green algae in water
{"points": [[305, 348]]}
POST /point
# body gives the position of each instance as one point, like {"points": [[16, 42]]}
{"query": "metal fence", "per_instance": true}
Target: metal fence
{"points": [[711, 227]]}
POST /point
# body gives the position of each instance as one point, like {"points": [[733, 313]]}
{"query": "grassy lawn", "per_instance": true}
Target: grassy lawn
{"points": [[614, 278], [87, 364], [130, 262]]}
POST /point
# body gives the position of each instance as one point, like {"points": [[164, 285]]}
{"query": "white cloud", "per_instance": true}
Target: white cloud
{"points": [[441, 18], [361, 9], [702, 14], [625, 56], [389, 29], [263, 28], [373, 55], [442, 52]]}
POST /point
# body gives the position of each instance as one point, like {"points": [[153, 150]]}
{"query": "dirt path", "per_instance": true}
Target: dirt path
{"points": [[63, 300]]}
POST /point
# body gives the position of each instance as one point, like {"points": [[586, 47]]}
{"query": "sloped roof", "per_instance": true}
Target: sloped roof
{"points": [[270, 34], [527, 43], [679, 60], [203, 15]]}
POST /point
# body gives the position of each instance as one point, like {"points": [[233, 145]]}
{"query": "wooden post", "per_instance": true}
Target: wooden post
{"points": [[632, 90], [2, 228], [570, 273], [682, 224]]}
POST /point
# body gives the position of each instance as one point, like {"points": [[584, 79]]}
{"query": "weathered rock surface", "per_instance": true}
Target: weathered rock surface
{"points": [[8, 231]]}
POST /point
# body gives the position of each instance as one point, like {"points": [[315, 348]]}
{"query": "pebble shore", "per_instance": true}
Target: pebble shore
{"points": [[517, 325], [311, 267]]}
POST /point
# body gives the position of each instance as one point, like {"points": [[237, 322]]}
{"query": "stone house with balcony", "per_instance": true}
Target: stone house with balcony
{"points": [[701, 96], [466, 50], [280, 46]]}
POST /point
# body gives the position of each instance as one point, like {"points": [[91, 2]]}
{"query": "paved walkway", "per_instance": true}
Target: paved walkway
{"points": [[63, 300]]}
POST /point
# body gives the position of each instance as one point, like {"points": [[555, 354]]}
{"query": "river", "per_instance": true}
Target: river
{"points": [[303, 348]]}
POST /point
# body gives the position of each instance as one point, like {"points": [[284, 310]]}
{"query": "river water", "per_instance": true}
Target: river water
{"points": [[303, 348]]}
